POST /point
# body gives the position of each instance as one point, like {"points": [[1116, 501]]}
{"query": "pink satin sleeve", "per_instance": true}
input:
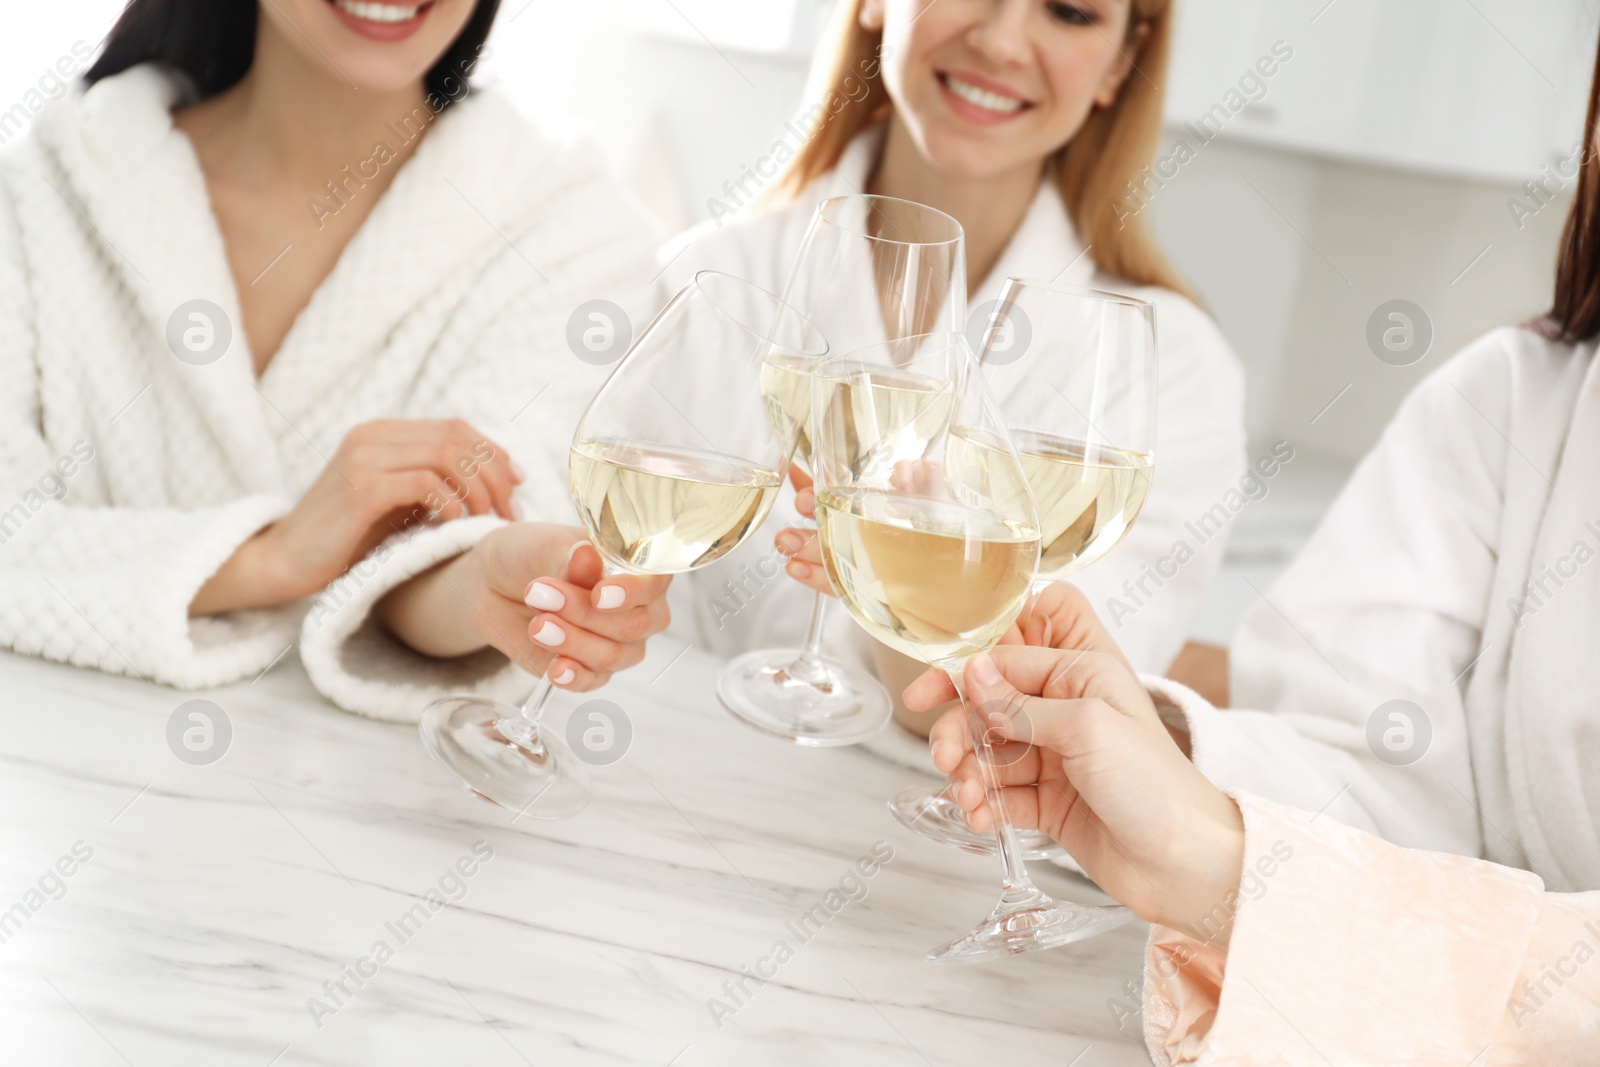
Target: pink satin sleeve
{"points": [[1346, 949]]}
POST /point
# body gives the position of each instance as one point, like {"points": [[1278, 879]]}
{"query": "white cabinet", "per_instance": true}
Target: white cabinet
{"points": [[1491, 89]]}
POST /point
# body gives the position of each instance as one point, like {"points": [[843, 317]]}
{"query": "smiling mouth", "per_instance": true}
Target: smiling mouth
{"points": [[383, 14], [998, 103]]}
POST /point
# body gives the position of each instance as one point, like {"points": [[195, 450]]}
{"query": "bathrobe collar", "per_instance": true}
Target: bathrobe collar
{"points": [[133, 176]]}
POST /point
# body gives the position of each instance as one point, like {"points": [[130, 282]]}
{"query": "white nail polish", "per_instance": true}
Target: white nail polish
{"points": [[933, 749], [545, 597], [611, 597], [565, 677], [518, 512], [550, 634]]}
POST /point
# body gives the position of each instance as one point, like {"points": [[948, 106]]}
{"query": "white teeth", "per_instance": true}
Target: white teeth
{"points": [[378, 12], [973, 95]]}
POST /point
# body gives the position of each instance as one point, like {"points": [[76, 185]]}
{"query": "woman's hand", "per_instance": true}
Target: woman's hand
{"points": [[385, 476], [1060, 617], [564, 621], [805, 554], [533, 591], [1081, 754]]}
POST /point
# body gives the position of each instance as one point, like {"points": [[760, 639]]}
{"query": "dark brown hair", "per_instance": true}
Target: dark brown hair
{"points": [[1574, 315], [213, 42]]}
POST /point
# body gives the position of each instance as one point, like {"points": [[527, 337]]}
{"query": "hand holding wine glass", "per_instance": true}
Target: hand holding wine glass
{"points": [[667, 476], [928, 531], [1086, 759]]}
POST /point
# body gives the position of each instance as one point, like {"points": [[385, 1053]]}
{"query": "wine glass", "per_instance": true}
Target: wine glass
{"points": [[673, 464], [929, 533], [1074, 374], [870, 269]]}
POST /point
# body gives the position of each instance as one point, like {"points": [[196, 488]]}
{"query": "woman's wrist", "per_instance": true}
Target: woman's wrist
{"points": [[1200, 890], [253, 577], [432, 612]]}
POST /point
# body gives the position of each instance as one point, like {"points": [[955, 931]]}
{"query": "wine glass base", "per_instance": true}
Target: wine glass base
{"points": [[758, 690], [461, 733], [1030, 929], [935, 816]]}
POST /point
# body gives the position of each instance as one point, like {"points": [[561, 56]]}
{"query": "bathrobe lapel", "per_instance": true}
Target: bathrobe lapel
{"points": [[1552, 730], [135, 179], [443, 216]]}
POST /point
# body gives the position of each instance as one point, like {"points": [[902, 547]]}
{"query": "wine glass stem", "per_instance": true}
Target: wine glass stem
{"points": [[523, 727], [1017, 889], [808, 666]]}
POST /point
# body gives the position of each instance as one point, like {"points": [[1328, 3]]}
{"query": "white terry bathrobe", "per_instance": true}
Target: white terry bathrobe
{"points": [[452, 301], [1200, 444], [1458, 573]]}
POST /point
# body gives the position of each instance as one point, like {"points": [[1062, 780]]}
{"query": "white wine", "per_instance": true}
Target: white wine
{"points": [[933, 579], [786, 390], [880, 416], [1087, 495], [663, 510]]}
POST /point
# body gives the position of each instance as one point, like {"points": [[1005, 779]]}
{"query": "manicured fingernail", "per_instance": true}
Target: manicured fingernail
{"points": [[611, 597], [550, 634], [573, 551], [983, 669], [544, 597], [517, 472], [789, 543], [933, 748], [518, 512], [565, 677]]}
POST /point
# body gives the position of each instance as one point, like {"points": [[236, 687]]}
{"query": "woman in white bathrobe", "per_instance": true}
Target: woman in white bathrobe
{"points": [[1425, 672], [273, 287], [1034, 165]]}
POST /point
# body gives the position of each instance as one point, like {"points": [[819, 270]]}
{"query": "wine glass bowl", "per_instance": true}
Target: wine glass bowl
{"points": [[1080, 402], [667, 476]]}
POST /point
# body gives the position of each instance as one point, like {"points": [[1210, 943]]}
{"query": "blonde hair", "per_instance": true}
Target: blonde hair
{"points": [[1091, 171]]}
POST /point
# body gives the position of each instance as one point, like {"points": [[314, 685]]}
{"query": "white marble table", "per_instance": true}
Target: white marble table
{"points": [[219, 899]]}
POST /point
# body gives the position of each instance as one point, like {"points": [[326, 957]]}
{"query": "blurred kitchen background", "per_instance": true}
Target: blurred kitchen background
{"points": [[1387, 159]]}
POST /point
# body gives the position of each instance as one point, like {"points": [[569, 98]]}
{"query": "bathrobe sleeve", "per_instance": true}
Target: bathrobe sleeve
{"points": [[1357, 655], [508, 369], [102, 586], [1348, 949]]}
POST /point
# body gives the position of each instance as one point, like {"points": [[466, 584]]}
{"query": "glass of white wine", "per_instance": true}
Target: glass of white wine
{"points": [[930, 535], [870, 269], [1074, 374], [674, 463]]}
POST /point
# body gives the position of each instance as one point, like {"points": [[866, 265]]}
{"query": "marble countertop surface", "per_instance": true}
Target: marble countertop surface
{"points": [[322, 893]]}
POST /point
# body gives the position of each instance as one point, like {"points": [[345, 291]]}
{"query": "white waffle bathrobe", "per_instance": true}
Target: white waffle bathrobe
{"points": [[127, 476]]}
